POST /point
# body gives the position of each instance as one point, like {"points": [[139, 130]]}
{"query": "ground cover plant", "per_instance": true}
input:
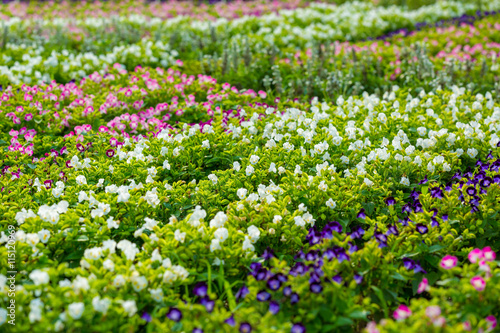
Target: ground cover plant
{"points": [[254, 181]]}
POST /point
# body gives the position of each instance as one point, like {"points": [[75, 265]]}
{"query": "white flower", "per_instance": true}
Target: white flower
{"points": [[119, 281], [166, 165], [213, 178], [277, 219], [249, 170], [236, 166], [157, 294], [242, 193], [253, 233], [382, 118], [44, 235], [81, 180], [215, 245], [205, 144], [179, 236], [32, 239], [254, 159], [368, 182], [109, 265], [405, 181], [430, 167], [247, 245], [472, 152], [219, 220], [446, 167], [130, 307], [39, 277], [272, 167], [101, 305], [221, 234], [112, 223], [75, 310], [331, 204], [139, 283], [323, 186], [299, 221]]}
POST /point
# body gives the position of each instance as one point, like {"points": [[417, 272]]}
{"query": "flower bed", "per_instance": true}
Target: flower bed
{"points": [[154, 199]]}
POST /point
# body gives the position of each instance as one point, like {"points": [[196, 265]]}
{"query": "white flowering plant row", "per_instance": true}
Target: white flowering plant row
{"points": [[156, 201]]}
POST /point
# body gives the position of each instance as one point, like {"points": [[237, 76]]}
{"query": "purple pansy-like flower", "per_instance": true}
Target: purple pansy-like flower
{"points": [[197, 330], [337, 279], [110, 153], [268, 254], [147, 317], [434, 222], [263, 296], [471, 191], [242, 293], [274, 283], [274, 307], [245, 328], [390, 201], [207, 303], [422, 228], [80, 147], [287, 291], [174, 314], [294, 298], [361, 214], [200, 289], [316, 288], [414, 194], [298, 328], [358, 278], [423, 181], [230, 321]]}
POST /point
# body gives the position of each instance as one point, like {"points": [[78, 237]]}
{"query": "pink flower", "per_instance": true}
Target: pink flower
{"points": [[423, 286], [492, 322], [439, 321], [448, 262], [28, 117], [478, 283], [488, 254], [475, 255], [262, 94], [433, 311], [467, 326], [402, 312], [372, 327]]}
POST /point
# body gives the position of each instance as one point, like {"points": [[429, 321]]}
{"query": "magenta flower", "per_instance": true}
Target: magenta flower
{"points": [[423, 286], [433, 311], [489, 254], [492, 322], [402, 312], [478, 283], [475, 255], [448, 262]]}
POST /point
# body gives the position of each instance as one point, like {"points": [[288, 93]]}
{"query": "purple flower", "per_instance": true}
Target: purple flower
{"points": [[404, 221], [408, 263], [200, 289], [147, 317], [358, 278], [392, 230], [423, 181], [197, 330], [357, 232], [436, 192], [207, 303], [414, 194], [406, 208], [390, 201], [422, 228], [314, 236], [274, 307], [242, 293], [274, 283], [486, 182], [263, 296], [245, 328], [316, 287], [174, 314], [110, 153], [80, 147], [361, 214], [337, 278], [445, 217], [287, 291], [418, 207], [471, 191], [298, 328], [268, 254], [230, 321], [434, 222], [294, 298]]}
